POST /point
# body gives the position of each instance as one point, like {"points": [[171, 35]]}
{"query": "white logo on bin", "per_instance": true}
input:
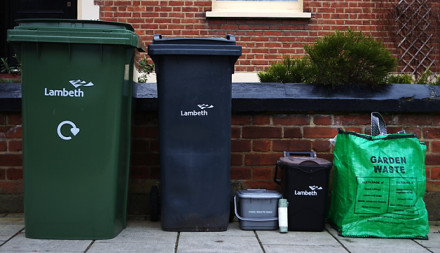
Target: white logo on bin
{"points": [[315, 187], [311, 193], [76, 92], [205, 106], [78, 83], [74, 130], [195, 113]]}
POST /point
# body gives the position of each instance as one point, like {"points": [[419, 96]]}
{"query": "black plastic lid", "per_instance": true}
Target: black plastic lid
{"points": [[228, 40], [307, 164], [194, 46]]}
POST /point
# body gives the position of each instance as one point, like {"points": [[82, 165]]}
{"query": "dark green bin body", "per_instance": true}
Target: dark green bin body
{"points": [[77, 90]]}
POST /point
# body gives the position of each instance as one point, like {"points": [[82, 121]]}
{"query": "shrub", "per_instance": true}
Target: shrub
{"points": [[144, 69], [288, 71], [399, 79], [437, 81], [427, 77], [349, 58]]}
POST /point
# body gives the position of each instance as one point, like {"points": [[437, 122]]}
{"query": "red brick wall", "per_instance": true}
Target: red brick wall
{"points": [[257, 141], [264, 41], [11, 165]]}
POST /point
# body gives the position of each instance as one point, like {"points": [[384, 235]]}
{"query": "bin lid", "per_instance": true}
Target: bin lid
{"points": [[75, 31], [258, 194], [194, 46], [303, 161]]}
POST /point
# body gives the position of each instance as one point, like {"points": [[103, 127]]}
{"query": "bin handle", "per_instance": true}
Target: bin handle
{"points": [[157, 37], [250, 219], [230, 37], [290, 153], [275, 177]]}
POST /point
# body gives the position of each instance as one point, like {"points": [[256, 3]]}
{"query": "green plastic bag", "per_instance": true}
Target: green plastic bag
{"points": [[378, 186]]}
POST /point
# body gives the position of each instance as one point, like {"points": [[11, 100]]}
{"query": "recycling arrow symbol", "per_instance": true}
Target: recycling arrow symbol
{"points": [[74, 130]]}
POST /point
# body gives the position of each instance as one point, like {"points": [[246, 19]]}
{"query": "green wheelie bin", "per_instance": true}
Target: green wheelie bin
{"points": [[77, 92]]}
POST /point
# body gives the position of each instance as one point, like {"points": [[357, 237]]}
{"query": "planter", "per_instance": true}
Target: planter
{"points": [[10, 78]]}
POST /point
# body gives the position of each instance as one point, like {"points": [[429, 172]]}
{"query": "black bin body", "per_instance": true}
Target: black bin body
{"points": [[194, 89], [304, 184]]}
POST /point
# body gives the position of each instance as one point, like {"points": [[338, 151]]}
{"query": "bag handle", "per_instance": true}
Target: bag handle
{"points": [[378, 126], [250, 219]]}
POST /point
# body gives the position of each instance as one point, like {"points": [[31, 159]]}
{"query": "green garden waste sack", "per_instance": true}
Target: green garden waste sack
{"points": [[378, 184]]}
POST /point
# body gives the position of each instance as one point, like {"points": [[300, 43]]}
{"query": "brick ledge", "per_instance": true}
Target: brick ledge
{"points": [[276, 97]]}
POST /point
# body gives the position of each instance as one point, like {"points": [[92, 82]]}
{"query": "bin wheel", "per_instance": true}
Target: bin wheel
{"points": [[154, 203]]}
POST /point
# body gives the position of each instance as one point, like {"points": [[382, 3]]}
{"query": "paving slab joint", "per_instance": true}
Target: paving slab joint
{"points": [[176, 247], [21, 230], [90, 245], [336, 238], [259, 241]]}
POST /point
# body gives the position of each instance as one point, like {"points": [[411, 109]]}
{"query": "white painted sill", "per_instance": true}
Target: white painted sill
{"points": [[257, 14]]}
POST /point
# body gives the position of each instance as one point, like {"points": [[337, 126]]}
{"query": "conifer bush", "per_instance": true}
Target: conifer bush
{"points": [[342, 58], [349, 58], [288, 71]]}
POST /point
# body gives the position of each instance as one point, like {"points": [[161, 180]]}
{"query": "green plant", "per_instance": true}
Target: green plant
{"points": [[424, 77], [399, 79], [6, 68], [288, 71], [144, 69], [349, 58], [429, 78]]}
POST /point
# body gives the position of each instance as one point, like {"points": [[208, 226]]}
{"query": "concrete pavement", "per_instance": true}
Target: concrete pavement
{"points": [[145, 236]]}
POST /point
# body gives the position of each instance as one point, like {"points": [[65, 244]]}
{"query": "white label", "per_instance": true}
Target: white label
{"points": [[282, 216], [260, 211]]}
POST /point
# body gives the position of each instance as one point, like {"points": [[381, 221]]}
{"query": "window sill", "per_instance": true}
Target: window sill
{"points": [[257, 14]]}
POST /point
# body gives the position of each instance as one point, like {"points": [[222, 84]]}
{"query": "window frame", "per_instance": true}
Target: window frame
{"points": [[258, 9]]}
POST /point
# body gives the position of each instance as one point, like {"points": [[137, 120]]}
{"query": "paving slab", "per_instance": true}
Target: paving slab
{"points": [[7, 231], [130, 247], [232, 240], [298, 238], [299, 241], [303, 249], [433, 243], [145, 236], [139, 236], [9, 226], [20, 243], [385, 245]]}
